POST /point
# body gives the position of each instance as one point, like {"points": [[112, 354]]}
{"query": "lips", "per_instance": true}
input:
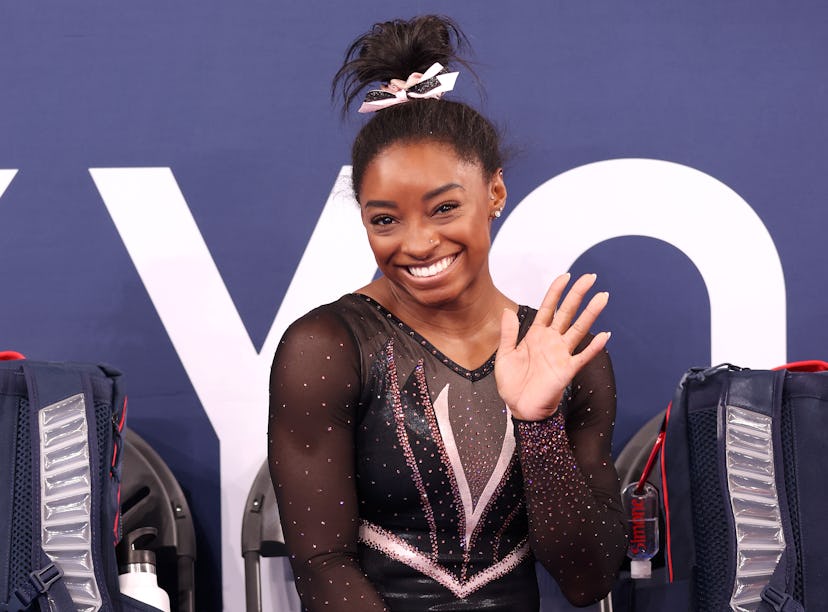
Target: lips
{"points": [[433, 269]]}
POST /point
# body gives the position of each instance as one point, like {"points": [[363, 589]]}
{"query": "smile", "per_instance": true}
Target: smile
{"points": [[433, 269]]}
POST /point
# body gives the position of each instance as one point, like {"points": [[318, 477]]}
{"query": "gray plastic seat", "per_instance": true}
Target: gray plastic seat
{"points": [[261, 535], [152, 497]]}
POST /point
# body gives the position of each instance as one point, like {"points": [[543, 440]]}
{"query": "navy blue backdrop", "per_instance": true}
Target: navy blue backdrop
{"points": [[234, 99]]}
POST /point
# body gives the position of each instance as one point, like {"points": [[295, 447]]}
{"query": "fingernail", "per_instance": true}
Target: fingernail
{"points": [[609, 335]]}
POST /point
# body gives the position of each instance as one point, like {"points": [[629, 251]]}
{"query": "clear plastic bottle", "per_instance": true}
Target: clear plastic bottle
{"points": [[641, 508]]}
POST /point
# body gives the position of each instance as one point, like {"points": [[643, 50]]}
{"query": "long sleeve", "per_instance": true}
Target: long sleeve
{"points": [[314, 392], [576, 526]]}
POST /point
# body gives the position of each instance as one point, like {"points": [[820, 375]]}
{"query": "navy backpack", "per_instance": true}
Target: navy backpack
{"points": [[744, 454], [61, 430]]}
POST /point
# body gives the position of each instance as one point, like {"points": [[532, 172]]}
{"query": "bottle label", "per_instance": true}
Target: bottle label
{"points": [[638, 537]]}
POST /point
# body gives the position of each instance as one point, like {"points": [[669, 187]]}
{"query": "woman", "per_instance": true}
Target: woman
{"points": [[413, 470]]}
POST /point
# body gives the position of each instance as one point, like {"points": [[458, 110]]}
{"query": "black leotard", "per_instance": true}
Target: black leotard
{"points": [[403, 483]]}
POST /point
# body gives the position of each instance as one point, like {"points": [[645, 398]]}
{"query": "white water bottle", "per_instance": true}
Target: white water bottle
{"points": [[641, 508], [136, 569]]}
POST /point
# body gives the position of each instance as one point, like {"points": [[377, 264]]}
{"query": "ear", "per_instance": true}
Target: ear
{"points": [[497, 192]]}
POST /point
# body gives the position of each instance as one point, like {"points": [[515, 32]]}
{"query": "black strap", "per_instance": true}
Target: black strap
{"points": [[780, 601], [42, 582], [39, 583], [774, 595]]}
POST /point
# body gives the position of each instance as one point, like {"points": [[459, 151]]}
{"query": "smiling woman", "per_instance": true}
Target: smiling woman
{"points": [[429, 438], [430, 229]]}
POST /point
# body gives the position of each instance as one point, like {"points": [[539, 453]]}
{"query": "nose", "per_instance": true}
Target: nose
{"points": [[420, 241]]}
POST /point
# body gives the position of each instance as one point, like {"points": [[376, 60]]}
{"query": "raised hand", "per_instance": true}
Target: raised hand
{"points": [[532, 375]]}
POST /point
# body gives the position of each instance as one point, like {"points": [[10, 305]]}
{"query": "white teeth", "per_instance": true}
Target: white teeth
{"points": [[435, 268]]}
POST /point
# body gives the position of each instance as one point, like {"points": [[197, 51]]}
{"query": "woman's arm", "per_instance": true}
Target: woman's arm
{"points": [[576, 526], [314, 392], [572, 496]]}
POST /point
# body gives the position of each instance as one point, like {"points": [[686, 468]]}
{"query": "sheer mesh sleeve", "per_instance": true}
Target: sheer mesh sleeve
{"points": [[314, 391], [576, 526]]}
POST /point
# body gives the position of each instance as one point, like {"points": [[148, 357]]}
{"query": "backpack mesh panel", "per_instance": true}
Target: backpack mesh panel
{"points": [[103, 422], [103, 432], [21, 529], [792, 495], [711, 529]]}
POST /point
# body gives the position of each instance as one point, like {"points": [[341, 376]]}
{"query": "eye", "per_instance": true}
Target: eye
{"points": [[382, 220], [446, 207]]}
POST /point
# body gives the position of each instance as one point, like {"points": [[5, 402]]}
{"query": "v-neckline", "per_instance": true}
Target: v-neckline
{"points": [[486, 368]]}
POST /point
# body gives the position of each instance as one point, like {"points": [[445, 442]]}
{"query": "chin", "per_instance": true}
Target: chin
{"points": [[444, 295]]}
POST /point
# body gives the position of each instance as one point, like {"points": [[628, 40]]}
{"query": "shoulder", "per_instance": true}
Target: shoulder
{"points": [[353, 324], [324, 325], [319, 341]]}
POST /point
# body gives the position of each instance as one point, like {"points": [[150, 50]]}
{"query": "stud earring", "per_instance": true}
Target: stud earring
{"points": [[496, 213]]}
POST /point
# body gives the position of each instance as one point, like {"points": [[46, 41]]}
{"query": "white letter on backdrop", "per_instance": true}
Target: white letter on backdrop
{"points": [[185, 286], [697, 214], [6, 177]]}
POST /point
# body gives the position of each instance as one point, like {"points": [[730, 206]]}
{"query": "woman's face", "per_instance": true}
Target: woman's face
{"points": [[428, 215]]}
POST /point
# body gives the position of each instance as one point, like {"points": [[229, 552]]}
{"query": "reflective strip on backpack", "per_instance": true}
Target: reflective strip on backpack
{"points": [[751, 483], [66, 497]]}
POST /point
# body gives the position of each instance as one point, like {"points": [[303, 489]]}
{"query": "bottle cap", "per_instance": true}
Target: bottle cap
{"points": [[131, 555], [640, 568]]}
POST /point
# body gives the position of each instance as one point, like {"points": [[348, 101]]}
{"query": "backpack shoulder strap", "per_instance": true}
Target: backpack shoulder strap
{"points": [[751, 424]]}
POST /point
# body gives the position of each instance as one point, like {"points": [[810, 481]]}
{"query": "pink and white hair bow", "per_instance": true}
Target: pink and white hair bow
{"points": [[432, 83]]}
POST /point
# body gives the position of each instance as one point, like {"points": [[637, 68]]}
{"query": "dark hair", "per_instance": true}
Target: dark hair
{"points": [[393, 50]]}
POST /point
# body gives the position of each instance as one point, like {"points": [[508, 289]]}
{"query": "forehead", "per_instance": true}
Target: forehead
{"points": [[419, 165]]}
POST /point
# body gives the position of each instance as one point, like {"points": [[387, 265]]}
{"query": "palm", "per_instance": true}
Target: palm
{"points": [[532, 375]]}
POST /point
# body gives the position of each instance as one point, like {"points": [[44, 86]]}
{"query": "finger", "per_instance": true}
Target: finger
{"points": [[595, 346], [572, 302], [580, 328], [509, 329], [550, 301]]}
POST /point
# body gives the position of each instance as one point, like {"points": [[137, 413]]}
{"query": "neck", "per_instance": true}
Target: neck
{"points": [[466, 330], [476, 311]]}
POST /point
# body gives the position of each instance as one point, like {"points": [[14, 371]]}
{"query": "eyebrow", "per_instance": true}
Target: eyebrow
{"points": [[426, 196], [441, 190]]}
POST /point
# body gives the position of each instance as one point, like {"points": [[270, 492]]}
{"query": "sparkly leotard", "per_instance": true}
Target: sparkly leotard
{"points": [[403, 483]]}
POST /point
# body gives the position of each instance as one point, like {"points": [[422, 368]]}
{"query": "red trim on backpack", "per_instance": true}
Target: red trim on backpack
{"points": [[120, 429], [116, 527], [813, 365], [123, 415], [666, 500], [11, 356]]}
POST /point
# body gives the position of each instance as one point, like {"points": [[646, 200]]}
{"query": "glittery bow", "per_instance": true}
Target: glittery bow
{"points": [[432, 83]]}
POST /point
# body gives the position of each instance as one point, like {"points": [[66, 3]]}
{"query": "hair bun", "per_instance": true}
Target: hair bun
{"points": [[395, 49]]}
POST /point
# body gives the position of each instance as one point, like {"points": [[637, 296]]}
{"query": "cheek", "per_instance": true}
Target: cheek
{"points": [[478, 232], [380, 246]]}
